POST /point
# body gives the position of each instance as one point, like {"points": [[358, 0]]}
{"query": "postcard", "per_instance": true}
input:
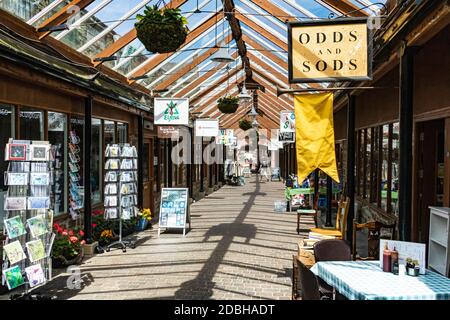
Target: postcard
{"points": [[15, 203], [37, 225], [35, 275], [17, 179], [39, 178], [40, 152], [35, 250], [35, 203], [17, 151], [15, 227], [13, 277], [14, 252]]}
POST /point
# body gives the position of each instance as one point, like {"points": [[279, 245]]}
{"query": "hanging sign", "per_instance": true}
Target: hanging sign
{"points": [[331, 50], [224, 136], [174, 211], [287, 137], [168, 132], [206, 128], [275, 144], [171, 111], [287, 121]]}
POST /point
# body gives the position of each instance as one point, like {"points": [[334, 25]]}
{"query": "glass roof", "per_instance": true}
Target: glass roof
{"points": [[189, 71]]}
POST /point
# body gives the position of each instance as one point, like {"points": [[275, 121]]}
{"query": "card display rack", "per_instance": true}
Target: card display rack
{"points": [[120, 190], [28, 220], [76, 190]]}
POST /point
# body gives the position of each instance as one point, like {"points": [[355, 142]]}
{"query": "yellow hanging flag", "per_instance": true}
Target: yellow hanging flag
{"points": [[315, 135]]}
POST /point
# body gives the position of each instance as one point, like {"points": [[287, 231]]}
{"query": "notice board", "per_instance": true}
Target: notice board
{"points": [[174, 209]]}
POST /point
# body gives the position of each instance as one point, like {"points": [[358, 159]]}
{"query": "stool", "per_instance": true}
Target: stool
{"points": [[306, 212]]}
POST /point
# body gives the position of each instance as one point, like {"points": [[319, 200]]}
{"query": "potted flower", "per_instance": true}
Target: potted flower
{"points": [[228, 104], [161, 30], [245, 124], [105, 238], [144, 217], [66, 248]]}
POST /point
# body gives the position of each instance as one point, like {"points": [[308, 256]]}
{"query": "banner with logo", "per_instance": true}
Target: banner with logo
{"points": [[170, 111], [206, 128], [287, 121], [224, 136], [331, 50]]}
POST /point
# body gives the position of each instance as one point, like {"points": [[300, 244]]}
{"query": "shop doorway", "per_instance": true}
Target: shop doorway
{"points": [[430, 172], [148, 174]]}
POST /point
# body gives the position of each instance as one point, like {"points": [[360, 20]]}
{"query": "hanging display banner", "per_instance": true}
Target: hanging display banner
{"points": [[171, 111], [168, 132], [174, 210], [287, 137], [224, 136], [331, 50], [206, 128], [287, 121]]}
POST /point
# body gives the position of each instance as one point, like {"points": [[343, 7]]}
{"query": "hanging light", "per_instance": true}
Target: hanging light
{"points": [[222, 56], [253, 113], [244, 95], [255, 124]]}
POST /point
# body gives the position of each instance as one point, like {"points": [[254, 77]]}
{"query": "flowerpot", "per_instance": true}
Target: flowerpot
{"points": [[62, 262], [245, 124], [141, 225], [227, 107]]}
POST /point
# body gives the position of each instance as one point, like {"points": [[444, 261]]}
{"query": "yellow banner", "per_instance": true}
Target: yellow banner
{"points": [[315, 135]]}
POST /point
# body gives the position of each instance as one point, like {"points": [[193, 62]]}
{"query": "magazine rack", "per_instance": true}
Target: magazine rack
{"points": [[28, 220], [120, 188]]}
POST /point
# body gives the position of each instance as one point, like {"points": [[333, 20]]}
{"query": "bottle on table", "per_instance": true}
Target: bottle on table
{"points": [[386, 259], [394, 261]]}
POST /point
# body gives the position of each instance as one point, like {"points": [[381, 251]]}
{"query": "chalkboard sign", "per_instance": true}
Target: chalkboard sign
{"points": [[174, 209]]}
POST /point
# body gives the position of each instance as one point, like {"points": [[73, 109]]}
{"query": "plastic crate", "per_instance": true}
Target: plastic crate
{"points": [[280, 206]]}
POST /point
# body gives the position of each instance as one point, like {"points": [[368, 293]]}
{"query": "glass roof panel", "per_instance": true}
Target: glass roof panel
{"points": [[248, 8], [26, 9]]}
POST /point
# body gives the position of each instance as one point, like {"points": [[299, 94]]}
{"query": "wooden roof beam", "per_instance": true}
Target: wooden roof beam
{"points": [[346, 7]]}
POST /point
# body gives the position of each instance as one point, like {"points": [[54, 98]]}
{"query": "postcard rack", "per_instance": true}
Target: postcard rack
{"points": [[28, 220], [120, 188], [76, 191]]}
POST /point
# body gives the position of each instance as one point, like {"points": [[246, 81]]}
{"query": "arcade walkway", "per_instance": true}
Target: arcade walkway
{"points": [[238, 249]]}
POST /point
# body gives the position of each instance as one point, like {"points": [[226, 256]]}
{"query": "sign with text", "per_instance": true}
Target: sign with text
{"points": [[171, 111], [206, 128], [287, 121], [168, 132], [174, 211], [287, 137], [225, 136], [331, 50]]}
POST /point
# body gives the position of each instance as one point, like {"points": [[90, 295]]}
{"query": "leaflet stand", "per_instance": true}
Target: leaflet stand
{"points": [[174, 210], [29, 179], [119, 158]]}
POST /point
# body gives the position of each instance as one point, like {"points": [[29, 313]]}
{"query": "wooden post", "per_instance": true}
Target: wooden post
{"points": [[140, 168], [329, 196], [87, 169], [351, 164]]}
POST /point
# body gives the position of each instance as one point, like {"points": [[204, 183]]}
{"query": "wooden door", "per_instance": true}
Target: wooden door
{"points": [[148, 175]]}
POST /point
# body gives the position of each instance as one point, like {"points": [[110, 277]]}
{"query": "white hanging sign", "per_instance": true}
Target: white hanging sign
{"points": [[171, 111], [287, 121], [206, 128]]}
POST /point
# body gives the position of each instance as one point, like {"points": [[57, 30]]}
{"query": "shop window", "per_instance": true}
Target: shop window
{"points": [[156, 160], [122, 132], [57, 136], [385, 167], [109, 132], [77, 135], [31, 124], [96, 160], [6, 132], [146, 163]]}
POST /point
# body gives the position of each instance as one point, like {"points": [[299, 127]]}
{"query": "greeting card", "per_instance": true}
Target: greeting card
{"points": [[35, 250], [13, 277], [14, 252], [37, 225], [35, 275], [14, 227]]}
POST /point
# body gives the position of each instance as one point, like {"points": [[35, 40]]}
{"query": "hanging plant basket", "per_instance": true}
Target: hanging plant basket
{"points": [[245, 124], [228, 104], [161, 31]]}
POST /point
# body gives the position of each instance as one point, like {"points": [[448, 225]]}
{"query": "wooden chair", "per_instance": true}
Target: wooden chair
{"points": [[314, 212], [373, 238], [307, 286], [341, 221]]}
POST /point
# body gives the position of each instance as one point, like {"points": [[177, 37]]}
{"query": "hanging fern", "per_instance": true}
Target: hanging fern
{"points": [[161, 30], [245, 124]]}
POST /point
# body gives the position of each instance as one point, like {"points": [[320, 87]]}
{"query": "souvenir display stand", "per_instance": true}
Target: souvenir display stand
{"points": [[76, 192], [28, 216], [120, 188]]}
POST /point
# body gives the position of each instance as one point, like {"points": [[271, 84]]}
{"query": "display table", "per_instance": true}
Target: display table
{"points": [[365, 280]]}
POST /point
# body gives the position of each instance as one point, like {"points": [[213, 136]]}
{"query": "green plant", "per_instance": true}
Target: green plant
{"points": [[228, 104], [161, 30], [245, 124], [145, 214], [67, 244]]}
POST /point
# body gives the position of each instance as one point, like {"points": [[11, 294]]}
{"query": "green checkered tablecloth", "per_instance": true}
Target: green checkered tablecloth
{"points": [[365, 280]]}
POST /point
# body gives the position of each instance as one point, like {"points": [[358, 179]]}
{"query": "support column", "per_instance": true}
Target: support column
{"points": [[329, 196], [406, 136], [202, 168], [316, 187], [87, 134], [169, 163], [190, 165], [140, 168], [351, 164], [286, 162]]}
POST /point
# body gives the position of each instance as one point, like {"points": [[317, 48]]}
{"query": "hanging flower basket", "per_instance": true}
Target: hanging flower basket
{"points": [[245, 124], [228, 104], [161, 31]]}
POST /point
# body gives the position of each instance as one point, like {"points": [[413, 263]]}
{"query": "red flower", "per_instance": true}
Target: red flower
{"points": [[60, 230], [94, 225], [81, 233], [56, 226], [64, 233], [71, 233], [73, 239], [82, 242]]}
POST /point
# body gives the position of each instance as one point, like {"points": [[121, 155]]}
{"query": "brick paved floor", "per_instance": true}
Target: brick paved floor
{"points": [[238, 248]]}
